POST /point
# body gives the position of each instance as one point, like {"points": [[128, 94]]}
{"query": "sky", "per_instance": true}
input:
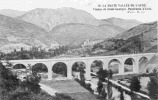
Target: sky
{"points": [[88, 5]]}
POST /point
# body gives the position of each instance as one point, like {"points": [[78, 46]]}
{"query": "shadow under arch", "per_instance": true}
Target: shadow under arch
{"points": [[77, 67], [142, 64], [114, 65], [60, 68], [19, 66], [39, 67], [129, 64], [19, 69], [96, 66]]}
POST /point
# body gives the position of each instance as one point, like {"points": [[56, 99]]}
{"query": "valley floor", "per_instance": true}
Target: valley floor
{"points": [[71, 88]]}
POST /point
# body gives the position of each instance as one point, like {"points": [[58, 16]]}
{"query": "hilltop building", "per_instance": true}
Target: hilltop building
{"points": [[89, 43]]}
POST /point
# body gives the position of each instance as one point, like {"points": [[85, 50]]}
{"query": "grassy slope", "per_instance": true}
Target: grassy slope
{"points": [[148, 40], [75, 34], [70, 88]]}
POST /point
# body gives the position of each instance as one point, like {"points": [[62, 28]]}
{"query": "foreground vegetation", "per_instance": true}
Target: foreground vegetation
{"points": [[11, 88], [135, 86]]}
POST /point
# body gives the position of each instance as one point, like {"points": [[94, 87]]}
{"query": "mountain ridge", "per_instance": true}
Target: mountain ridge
{"points": [[140, 39], [12, 13], [49, 18], [16, 31], [140, 29], [123, 23]]}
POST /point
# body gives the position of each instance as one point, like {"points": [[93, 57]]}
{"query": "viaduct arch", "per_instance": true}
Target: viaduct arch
{"points": [[137, 59]]}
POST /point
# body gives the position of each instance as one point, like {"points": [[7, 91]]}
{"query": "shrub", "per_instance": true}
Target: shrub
{"points": [[152, 88], [62, 97], [126, 92], [88, 86], [20, 95], [135, 84], [102, 74], [31, 83]]}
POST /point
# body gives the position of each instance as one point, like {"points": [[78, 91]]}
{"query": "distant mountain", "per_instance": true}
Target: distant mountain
{"points": [[13, 31], [49, 18], [123, 23], [12, 13], [75, 34], [145, 33], [67, 26], [142, 38], [148, 30]]}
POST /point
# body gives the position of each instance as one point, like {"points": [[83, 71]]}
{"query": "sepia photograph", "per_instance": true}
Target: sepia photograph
{"points": [[78, 50]]}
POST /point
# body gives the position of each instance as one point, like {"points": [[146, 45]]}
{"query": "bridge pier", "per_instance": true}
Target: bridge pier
{"points": [[121, 67], [49, 74], [136, 66], [49, 66], [69, 70], [88, 70], [106, 64]]}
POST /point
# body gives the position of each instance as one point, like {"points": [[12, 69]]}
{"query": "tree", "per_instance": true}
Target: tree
{"points": [[100, 86], [104, 94], [102, 74], [109, 87], [8, 82], [31, 83], [135, 84], [147, 70], [110, 73], [9, 64], [154, 71], [82, 77], [121, 94], [88, 86], [152, 88]]}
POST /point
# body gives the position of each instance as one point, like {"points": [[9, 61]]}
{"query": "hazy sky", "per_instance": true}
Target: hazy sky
{"points": [[88, 6]]}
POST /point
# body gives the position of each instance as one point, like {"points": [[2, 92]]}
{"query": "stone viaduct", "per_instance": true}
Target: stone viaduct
{"points": [[88, 62]]}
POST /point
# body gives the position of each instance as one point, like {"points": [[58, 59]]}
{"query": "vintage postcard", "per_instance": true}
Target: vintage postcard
{"points": [[78, 50]]}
